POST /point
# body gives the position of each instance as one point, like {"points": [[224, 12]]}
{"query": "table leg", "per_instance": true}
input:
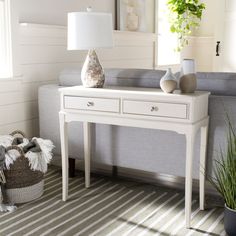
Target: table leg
{"points": [[190, 138], [87, 154], [71, 167], [64, 155], [203, 150]]}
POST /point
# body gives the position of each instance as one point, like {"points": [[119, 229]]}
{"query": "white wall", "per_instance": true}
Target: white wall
{"points": [[217, 24], [55, 11], [226, 34], [201, 45], [207, 25], [43, 54], [39, 54]]}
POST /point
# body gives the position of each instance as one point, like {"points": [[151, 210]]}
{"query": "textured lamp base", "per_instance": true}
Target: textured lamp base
{"points": [[92, 74]]}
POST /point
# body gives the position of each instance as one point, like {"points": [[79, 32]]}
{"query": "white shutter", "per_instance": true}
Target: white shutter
{"points": [[5, 40]]}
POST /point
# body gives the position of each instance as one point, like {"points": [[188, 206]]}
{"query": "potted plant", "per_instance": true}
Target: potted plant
{"points": [[184, 16], [224, 179]]}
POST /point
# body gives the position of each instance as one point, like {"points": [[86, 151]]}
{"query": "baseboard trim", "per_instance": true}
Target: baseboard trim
{"points": [[142, 176]]}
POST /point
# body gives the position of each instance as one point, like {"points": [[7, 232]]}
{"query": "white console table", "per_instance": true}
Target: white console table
{"points": [[137, 107]]}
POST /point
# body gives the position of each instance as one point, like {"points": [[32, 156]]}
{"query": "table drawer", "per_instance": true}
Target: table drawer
{"points": [[92, 104], [162, 109]]}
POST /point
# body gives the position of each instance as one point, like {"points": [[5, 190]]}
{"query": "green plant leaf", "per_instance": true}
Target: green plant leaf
{"points": [[184, 16], [224, 179]]}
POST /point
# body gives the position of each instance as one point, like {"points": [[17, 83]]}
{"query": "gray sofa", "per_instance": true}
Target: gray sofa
{"points": [[142, 149]]}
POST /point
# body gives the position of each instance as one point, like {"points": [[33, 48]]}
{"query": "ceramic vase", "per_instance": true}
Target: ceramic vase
{"points": [[132, 23], [188, 79], [168, 82]]}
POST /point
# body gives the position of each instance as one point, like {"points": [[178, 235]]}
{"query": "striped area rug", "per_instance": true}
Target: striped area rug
{"points": [[109, 207]]}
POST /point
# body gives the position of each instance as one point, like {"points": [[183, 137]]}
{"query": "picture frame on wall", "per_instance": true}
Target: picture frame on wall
{"points": [[135, 15]]}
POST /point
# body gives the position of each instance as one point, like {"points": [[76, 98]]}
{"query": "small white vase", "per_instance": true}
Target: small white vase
{"points": [[168, 82], [188, 79], [188, 67]]}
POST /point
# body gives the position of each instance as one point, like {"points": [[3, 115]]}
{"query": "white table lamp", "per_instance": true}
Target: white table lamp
{"points": [[88, 31]]}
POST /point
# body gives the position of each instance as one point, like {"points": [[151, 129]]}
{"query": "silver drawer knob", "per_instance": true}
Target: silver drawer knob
{"points": [[90, 104], [154, 108]]}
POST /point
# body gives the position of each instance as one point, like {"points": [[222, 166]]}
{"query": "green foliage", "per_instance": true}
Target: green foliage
{"points": [[224, 179], [184, 16]]}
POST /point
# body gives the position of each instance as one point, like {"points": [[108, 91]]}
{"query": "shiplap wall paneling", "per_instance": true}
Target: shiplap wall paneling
{"points": [[43, 54], [18, 112], [47, 44], [29, 127], [9, 85], [48, 54]]}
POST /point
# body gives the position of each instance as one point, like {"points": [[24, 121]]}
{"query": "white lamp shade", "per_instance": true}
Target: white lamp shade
{"points": [[89, 30]]}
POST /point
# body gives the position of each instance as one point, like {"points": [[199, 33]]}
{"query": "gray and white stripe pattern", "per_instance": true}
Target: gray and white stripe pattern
{"points": [[108, 207]]}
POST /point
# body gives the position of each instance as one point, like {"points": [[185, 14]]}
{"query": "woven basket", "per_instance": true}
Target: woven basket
{"points": [[23, 184]]}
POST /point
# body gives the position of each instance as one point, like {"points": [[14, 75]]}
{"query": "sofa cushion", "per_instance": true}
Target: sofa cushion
{"points": [[118, 77], [70, 77], [218, 83]]}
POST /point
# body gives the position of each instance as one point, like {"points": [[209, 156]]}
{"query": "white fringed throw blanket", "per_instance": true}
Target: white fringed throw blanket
{"points": [[37, 150]]}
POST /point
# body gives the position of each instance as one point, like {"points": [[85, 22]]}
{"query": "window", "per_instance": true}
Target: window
{"points": [[167, 41], [5, 40]]}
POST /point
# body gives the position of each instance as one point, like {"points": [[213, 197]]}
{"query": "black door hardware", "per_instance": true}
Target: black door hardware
{"points": [[218, 48]]}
